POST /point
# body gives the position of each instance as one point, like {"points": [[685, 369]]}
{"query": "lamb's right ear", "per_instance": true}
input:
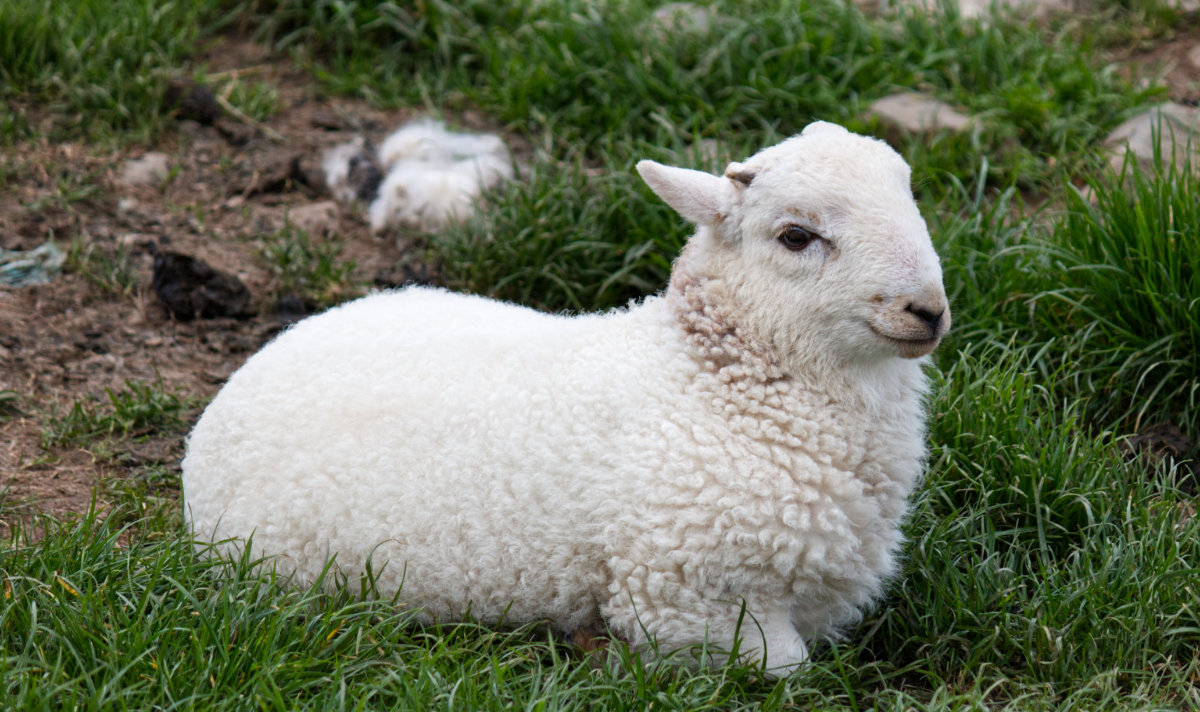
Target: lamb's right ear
{"points": [[701, 198]]}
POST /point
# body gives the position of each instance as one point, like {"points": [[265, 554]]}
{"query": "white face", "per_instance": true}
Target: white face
{"points": [[829, 224], [819, 241]]}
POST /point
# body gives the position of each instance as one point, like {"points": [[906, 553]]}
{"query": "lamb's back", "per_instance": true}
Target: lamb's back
{"points": [[477, 442]]}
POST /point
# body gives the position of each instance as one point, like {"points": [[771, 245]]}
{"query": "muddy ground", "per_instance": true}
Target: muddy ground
{"points": [[231, 186]]}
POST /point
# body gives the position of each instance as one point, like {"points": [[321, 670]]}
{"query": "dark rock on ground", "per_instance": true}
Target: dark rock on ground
{"points": [[191, 289], [193, 101]]}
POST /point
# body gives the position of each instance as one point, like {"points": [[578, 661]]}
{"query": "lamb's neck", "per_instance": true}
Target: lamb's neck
{"points": [[880, 438], [731, 353]]}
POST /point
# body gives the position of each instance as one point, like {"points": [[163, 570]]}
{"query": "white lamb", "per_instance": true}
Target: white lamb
{"points": [[749, 438], [434, 176]]}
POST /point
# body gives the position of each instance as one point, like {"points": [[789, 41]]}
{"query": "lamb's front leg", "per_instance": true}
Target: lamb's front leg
{"points": [[772, 640], [760, 634]]}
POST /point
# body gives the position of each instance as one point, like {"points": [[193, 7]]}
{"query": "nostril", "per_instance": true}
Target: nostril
{"points": [[931, 318]]}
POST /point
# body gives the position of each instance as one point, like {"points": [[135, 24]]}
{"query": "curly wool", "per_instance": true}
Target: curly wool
{"points": [[654, 468]]}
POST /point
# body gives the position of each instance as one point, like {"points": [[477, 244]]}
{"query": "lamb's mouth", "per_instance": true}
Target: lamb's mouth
{"points": [[909, 348]]}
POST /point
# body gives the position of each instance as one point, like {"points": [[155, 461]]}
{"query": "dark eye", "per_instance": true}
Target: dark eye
{"points": [[796, 238]]}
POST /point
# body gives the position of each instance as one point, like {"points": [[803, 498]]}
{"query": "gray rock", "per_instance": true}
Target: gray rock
{"points": [[150, 169], [681, 17], [982, 9], [315, 218], [1037, 8], [1169, 128], [916, 114], [1193, 56]]}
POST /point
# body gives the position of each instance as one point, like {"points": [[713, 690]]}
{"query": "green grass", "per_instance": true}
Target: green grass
{"points": [[89, 58], [1045, 570], [564, 70], [109, 270], [135, 411], [10, 404], [548, 241], [309, 269], [1043, 574], [1124, 282], [1054, 547]]}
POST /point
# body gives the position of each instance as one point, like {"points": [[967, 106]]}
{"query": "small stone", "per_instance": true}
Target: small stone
{"points": [[136, 240], [1167, 128], [982, 9], [681, 17], [315, 218], [150, 169], [328, 120], [1193, 56], [271, 172], [916, 114]]}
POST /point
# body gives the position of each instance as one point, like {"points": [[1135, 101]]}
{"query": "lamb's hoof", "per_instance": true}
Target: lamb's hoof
{"points": [[593, 646], [589, 641]]}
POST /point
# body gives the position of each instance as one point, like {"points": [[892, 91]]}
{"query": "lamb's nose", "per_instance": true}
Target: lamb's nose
{"points": [[931, 317]]}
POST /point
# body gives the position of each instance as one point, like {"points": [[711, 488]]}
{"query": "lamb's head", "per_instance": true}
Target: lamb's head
{"points": [[814, 247]]}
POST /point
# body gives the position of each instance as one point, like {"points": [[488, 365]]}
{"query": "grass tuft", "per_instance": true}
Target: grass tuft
{"points": [[135, 411], [111, 271], [309, 269], [1121, 287], [87, 58]]}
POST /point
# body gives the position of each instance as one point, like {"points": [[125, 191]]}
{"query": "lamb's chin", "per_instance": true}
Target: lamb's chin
{"points": [[909, 348]]}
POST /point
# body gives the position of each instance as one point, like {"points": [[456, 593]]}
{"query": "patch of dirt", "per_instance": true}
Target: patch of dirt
{"points": [[231, 184], [1176, 58]]}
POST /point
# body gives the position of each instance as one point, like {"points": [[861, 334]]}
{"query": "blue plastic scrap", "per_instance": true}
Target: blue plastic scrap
{"points": [[21, 268]]}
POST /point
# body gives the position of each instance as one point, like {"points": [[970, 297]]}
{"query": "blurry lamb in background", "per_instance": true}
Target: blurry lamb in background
{"points": [[430, 175]]}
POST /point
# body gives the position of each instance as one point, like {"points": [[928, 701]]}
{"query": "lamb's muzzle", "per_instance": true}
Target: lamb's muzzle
{"points": [[913, 325]]}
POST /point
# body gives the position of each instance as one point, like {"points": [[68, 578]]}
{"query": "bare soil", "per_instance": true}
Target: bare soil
{"points": [[231, 184]]}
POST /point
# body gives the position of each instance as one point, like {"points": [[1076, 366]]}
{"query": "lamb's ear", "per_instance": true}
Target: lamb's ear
{"points": [[701, 198]]}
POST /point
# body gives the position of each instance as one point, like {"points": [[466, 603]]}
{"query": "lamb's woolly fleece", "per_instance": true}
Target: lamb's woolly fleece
{"points": [[431, 175], [749, 436]]}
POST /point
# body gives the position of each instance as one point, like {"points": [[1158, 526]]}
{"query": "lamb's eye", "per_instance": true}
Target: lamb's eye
{"points": [[796, 238]]}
